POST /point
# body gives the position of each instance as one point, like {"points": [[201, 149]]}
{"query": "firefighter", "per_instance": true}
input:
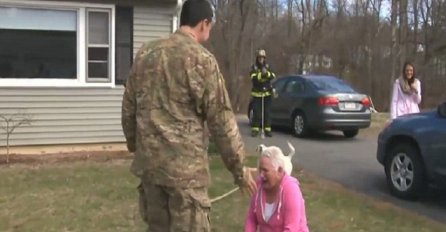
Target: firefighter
{"points": [[262, 91]]}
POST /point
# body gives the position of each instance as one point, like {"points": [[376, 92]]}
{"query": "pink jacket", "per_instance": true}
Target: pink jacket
{"points": [[404, 103], [289, 214]]}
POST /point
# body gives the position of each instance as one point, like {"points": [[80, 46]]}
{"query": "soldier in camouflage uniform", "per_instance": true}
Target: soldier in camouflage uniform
{"points": [[174, 89]]}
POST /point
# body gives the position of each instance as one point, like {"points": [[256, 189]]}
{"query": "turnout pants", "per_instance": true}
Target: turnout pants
{"points": [[257, 117]]}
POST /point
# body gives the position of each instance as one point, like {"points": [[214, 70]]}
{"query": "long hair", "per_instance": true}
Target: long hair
{"points": [[411, 80]]}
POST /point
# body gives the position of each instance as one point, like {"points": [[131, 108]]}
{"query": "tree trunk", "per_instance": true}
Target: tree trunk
{"points": [[290, 17], [415, 28], [394, 47], [403, 37], [7, 146]]}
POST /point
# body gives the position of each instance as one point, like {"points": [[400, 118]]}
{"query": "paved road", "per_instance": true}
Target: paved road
{"points": [[351, 162]]}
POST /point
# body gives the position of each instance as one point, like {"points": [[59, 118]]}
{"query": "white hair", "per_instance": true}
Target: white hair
{"points": [[275, 155], [278, 159]]}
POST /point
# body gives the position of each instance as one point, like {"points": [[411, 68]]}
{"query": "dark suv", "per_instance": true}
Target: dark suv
{"points": [[412, 150]]}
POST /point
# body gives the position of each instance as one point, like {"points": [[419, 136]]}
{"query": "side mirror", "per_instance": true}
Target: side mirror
{"points": [[442, 110]]}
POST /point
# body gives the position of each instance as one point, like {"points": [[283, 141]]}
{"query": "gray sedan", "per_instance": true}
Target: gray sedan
{"points": [[307, 103], [412, 150]]}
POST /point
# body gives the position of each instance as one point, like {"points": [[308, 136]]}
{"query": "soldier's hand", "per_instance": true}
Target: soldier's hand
{"points": [[248, 184], [254, 172]]}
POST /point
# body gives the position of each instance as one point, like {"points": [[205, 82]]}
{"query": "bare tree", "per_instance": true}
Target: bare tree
{"points": [[11, 122], [415, 17], [403, 30], [232, 43], [362, 42], [394, 46]]}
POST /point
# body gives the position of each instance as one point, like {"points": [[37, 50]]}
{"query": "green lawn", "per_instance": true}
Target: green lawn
{"points": [[96, 196]]}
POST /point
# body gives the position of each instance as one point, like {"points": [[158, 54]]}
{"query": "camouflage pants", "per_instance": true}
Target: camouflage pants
{"points": [[168, 209]]}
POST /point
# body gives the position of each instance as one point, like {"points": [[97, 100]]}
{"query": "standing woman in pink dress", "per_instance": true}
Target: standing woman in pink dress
{"points": [[406, 93]]}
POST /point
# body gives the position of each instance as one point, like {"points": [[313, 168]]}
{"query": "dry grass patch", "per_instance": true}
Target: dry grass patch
{"points": [[96, 195]]}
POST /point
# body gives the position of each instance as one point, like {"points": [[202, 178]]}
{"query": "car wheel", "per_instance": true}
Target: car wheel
{"points": [[299, 125], [350, 133], [405, 172]]}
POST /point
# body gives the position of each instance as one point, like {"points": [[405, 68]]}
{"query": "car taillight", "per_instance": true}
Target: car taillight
{"points": [[366, 102], [328, 101]]}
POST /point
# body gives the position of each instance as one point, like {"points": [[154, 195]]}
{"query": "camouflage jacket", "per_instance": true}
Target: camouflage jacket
{"points": [[174, 89]]}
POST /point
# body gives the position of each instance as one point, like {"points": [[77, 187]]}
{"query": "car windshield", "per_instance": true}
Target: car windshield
{"points": [[331, 84]]}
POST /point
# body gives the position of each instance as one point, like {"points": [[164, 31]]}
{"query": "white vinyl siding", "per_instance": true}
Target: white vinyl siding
{"points": [[64, 115], [150, 24]]}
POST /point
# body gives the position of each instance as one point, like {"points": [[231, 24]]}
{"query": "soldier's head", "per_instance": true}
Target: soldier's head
{"points": [[260, 56], [198, 16]]}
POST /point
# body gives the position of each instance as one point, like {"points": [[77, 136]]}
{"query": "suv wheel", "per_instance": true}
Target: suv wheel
{"points": [[405, 172], [299, 125]]}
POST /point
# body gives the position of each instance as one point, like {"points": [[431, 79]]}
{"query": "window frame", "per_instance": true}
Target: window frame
{"points": [[88, 45], [82, 79]]}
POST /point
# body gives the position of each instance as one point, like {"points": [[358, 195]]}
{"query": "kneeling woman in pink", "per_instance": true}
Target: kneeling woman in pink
{"points": [[278, 205]]}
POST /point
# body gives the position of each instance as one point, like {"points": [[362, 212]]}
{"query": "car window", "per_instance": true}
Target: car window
{"points": [[295, 86], [331, 84], [278, 85]]}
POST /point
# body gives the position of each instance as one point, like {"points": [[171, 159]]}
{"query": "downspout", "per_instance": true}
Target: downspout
{"points": [[175, 21]]}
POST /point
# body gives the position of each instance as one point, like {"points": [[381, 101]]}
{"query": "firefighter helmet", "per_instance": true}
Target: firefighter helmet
{"points": [[261, 53]]}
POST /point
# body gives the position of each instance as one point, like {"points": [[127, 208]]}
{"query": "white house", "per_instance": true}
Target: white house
{"points": [[64, 63]]}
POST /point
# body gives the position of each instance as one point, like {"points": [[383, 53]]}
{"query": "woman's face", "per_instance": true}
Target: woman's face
{"points": [[270, 177], [408, 71]]}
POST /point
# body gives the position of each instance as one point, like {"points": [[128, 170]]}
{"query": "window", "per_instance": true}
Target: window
{"points": [[98, 45], [331, 84], [34, 45], [54, 44], [279, 84], [295, 86]]}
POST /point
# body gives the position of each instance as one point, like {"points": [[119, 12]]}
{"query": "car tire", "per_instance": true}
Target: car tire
{"points": [[299, 125], [405, 172], [350, 133]]}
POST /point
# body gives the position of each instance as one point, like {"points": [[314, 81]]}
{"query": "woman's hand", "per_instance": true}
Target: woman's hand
{"points": [[413, 87]]}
